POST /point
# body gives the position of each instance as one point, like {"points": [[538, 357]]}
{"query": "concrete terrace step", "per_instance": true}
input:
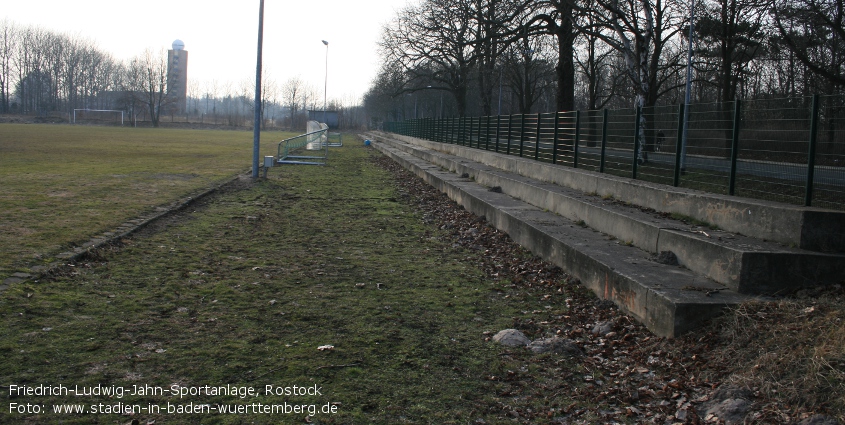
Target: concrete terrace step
{"points": [[670, 300], [813, 229], [744, 264]]}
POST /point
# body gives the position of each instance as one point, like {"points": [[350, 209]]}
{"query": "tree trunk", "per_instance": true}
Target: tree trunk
{"points": [[566, 63]]}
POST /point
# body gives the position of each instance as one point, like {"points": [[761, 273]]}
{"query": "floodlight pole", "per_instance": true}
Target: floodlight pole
{"points": [[256, 132], [326, 84]]}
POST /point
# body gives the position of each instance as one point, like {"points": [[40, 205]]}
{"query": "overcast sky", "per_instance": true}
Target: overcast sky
{"points": [[221, 36]]}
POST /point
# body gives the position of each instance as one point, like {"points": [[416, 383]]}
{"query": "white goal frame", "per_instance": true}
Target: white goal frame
{"points": [[98, 110]]}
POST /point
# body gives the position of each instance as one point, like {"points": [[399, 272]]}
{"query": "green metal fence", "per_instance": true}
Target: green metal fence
{"points": [[785, 150]]}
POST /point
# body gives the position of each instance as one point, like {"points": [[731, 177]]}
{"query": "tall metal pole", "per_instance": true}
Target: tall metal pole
{"points": [[326, 84], [256, 132], [689, 85]]}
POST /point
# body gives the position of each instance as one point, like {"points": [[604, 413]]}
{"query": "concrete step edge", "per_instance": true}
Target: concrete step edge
{"points": [[813, 229], [669, 300], [742, 267]]}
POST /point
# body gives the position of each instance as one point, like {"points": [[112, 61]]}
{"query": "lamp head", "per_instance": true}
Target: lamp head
{"points": [[325, 42]]}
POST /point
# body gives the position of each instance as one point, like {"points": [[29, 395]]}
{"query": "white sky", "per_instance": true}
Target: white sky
{"points": [[221, 36]]}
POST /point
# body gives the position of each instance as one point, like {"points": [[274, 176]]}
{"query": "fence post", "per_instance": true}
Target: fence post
{"points": [[462, 130], [468, 122], [557, 133], [455, 131], [444, 128], [498, 130], [471, 123], [478, 135], [510, 122], [432, 122], [638, 114], [458, 131], [537, 139], [603, 140], [431, 129], [577, 136], [734, 147], [462, 125], [676, 180], [486, 122], [811, 155], [521, 133], [486, 128]]}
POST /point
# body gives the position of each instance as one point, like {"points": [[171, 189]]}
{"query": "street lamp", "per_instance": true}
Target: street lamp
{"points": [[326, 85]]}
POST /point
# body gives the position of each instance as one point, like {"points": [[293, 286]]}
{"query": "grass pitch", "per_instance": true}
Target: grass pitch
{"points": [[63, 184], [247, 288]]}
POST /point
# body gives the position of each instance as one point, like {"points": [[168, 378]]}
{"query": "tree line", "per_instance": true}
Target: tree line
{"points": [[488, 57], [43, 72]]}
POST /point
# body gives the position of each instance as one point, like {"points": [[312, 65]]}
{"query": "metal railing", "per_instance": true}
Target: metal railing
{"points": [[785, 150], [287, 152]]}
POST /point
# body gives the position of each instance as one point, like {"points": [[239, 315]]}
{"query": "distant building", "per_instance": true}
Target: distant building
{"points": [[177, 78], [330, 118]]}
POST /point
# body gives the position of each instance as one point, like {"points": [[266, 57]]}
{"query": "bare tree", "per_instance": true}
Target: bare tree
{"points": [[292, 92], [496, 26], [641, 32], [211, 93], [528, 69], [559, 21], [731, 31], [8, 46], [814, 31], [269, 92], [194, 94], [434, 42], [151, 70], [594, 60]]}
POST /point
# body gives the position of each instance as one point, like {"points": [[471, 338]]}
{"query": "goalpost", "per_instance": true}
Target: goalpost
{"points": [[97, 115]]}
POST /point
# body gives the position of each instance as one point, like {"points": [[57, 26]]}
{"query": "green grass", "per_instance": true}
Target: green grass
{"points": [[64, 184], [243, 288]]}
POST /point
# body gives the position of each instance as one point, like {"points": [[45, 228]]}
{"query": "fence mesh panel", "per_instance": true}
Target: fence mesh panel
{"points": [[772, 137], [829, 173]]}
